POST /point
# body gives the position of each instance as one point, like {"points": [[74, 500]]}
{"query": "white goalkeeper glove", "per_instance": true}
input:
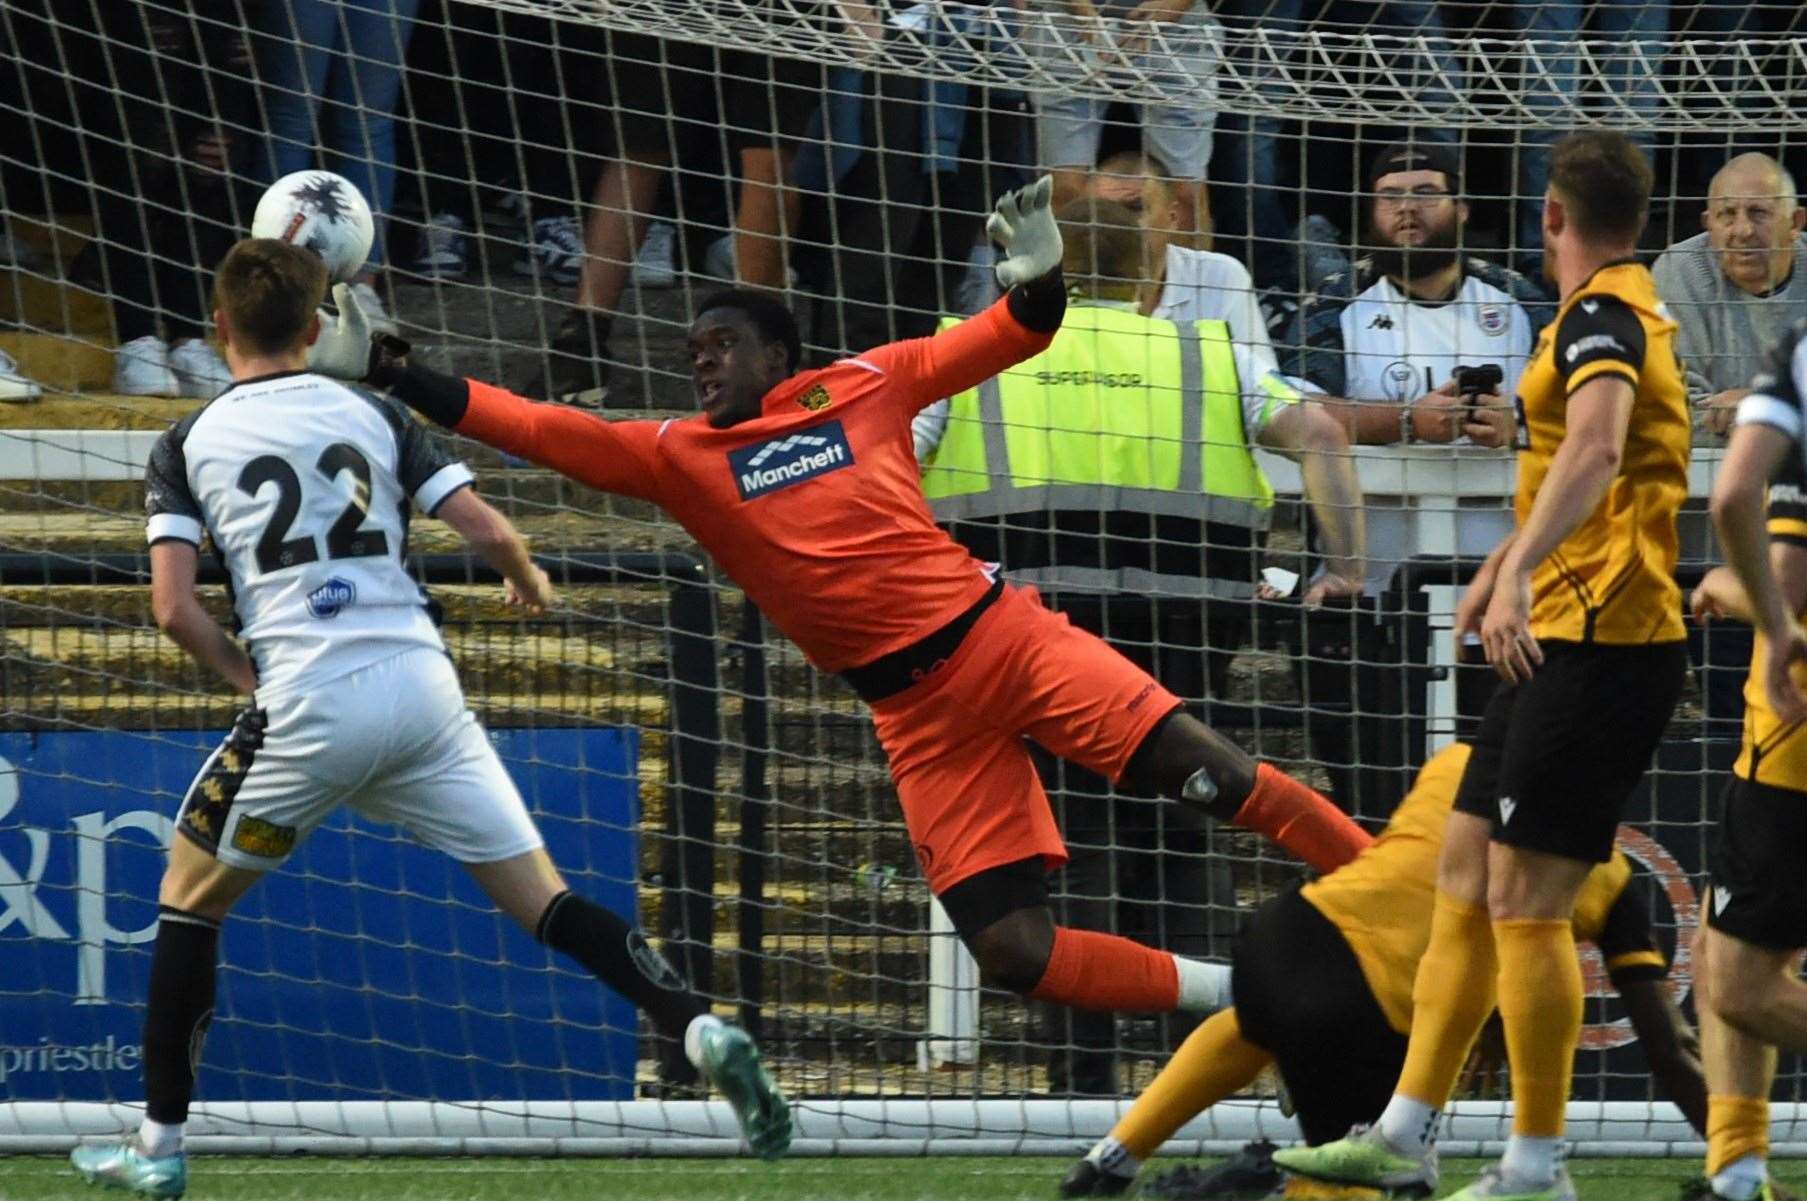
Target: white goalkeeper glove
{"points": [[343, 350], [1023, 224]]}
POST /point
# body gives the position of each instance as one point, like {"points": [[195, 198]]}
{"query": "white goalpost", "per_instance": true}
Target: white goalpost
{"points": [[686, 763]]}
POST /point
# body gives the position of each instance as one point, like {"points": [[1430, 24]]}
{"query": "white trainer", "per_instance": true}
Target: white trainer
{"points": [[442, 248], [141, 368], [15, 386], [200, 371], [656, 264]]}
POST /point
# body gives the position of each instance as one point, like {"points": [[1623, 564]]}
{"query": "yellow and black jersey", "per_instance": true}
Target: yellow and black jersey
{"points": [[1775, 752], [1613, 579], [1381, 902]]}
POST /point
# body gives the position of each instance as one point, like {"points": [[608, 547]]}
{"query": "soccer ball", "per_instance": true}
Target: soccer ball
{"points": [[323, 212]]}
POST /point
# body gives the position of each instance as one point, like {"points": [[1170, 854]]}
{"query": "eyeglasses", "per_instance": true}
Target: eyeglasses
{"points": [[1428, 194]]}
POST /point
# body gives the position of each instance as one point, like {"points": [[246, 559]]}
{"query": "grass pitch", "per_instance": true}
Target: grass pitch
{"points": [[43, 1178]]}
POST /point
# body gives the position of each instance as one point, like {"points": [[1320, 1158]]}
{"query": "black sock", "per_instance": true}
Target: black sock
{"points": [[619, 955], [183, 965]]}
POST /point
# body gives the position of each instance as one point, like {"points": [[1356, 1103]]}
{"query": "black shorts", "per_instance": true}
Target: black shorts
{"points": [[1301, 997], [997, 892], [666, 92], [1759, 888], [1557, 757]]}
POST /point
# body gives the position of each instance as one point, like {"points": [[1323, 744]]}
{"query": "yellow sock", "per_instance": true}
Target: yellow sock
{"points": [[1540, 1005], [1214, 1062], [1451, 998], [1736, 1127]]}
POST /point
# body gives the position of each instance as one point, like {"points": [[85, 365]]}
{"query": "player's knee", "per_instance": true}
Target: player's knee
{"points": [[1013, 952], [1182, 746]]}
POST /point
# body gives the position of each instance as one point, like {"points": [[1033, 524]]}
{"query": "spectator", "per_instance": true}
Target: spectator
{"points": [[165, 179], [1177, 43], [1424, 70], [1178, 530], [664, 94], [1180, 283], [339, 61], [909, 244], [1629, 44], [1382, 334], [1734, 290], [1387, 335]]}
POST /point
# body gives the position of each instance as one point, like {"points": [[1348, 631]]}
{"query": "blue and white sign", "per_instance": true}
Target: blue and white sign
{"points": [[367, 968]]}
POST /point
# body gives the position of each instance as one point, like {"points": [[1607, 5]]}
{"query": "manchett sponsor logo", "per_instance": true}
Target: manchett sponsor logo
{"points": [[330, 598], [770, 466], [1592, 343]]}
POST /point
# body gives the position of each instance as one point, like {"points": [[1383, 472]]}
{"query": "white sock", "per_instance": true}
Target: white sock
{"points": [[160, 1140], [1740, 1179], [1110, 1157], [1530, 1160], [1204, 987], [693, 1037], [1408, 1124]]}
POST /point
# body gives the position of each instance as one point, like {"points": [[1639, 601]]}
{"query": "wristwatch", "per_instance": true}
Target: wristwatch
{"points": [[1406, 432]]}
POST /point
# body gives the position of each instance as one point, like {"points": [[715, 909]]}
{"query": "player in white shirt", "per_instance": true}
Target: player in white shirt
{"points": [[303, 486]]}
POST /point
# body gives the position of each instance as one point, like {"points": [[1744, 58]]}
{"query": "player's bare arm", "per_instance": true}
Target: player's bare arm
{"points": [[500, 545], [1593, 445], [1720, 595], [180, 614], [1314, 439], [1739, 511], [1669, 1043]]}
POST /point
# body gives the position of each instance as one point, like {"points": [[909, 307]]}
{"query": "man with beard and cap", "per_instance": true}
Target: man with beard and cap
{"points": [[1388, 334], [1390, 331]]}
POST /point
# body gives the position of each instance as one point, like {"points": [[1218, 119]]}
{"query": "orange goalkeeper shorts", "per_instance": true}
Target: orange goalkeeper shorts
{"points": [[968, 787]]}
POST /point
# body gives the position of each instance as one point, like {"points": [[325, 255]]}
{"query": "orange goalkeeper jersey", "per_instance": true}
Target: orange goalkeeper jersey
{"points": [[815, 507]]}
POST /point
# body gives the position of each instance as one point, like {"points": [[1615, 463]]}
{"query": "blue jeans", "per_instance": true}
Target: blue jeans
{"points": [[1633, 31], [1249, 151], [349, 56]]}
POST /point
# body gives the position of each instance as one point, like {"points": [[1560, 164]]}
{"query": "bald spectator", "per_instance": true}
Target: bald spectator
{"points": [[1734, 289]]}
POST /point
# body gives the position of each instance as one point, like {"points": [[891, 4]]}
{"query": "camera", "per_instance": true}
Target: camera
{"points": [[1473, 382]]}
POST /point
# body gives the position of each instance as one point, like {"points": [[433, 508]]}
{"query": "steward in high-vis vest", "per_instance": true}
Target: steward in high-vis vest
{"points": [[1121, 458]]}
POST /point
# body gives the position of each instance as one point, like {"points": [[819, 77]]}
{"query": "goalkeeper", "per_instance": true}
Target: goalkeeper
{"points": [[803, 485], [1322, 981]]}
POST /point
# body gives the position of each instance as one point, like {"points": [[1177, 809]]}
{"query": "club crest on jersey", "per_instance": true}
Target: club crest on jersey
{"points": [[1492, 319], [331, 598], [816, 399], [772, 466]]}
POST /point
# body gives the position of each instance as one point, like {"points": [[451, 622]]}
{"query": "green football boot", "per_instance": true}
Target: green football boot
{"points": [[1702, 1190], [731, 1062], [1365, 1158], [1494, 1186], [125, 1166]]}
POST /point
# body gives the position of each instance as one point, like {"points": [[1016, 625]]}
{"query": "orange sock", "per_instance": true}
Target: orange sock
{"points": [[1089, 970], [1540, 1005], [1214, 1063], [1299, 818], [1452, 995], [1736, 1127]]}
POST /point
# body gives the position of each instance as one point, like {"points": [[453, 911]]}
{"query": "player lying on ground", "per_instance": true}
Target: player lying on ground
{"points": [[1752, 1000], [803, 485], [1322, 982], [303, 485]]}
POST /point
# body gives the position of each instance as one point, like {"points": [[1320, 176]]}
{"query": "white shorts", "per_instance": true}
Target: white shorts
{"points": [[392, 740], [1069, 127]]}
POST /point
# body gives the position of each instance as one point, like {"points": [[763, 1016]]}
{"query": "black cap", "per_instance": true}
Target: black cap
{"points": [[1417, 156]]}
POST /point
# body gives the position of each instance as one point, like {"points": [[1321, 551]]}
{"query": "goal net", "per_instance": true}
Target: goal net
{"points": [[558, 184]]}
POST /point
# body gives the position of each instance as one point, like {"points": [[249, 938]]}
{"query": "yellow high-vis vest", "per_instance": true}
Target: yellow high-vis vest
{"points": [[1121, 413]]}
